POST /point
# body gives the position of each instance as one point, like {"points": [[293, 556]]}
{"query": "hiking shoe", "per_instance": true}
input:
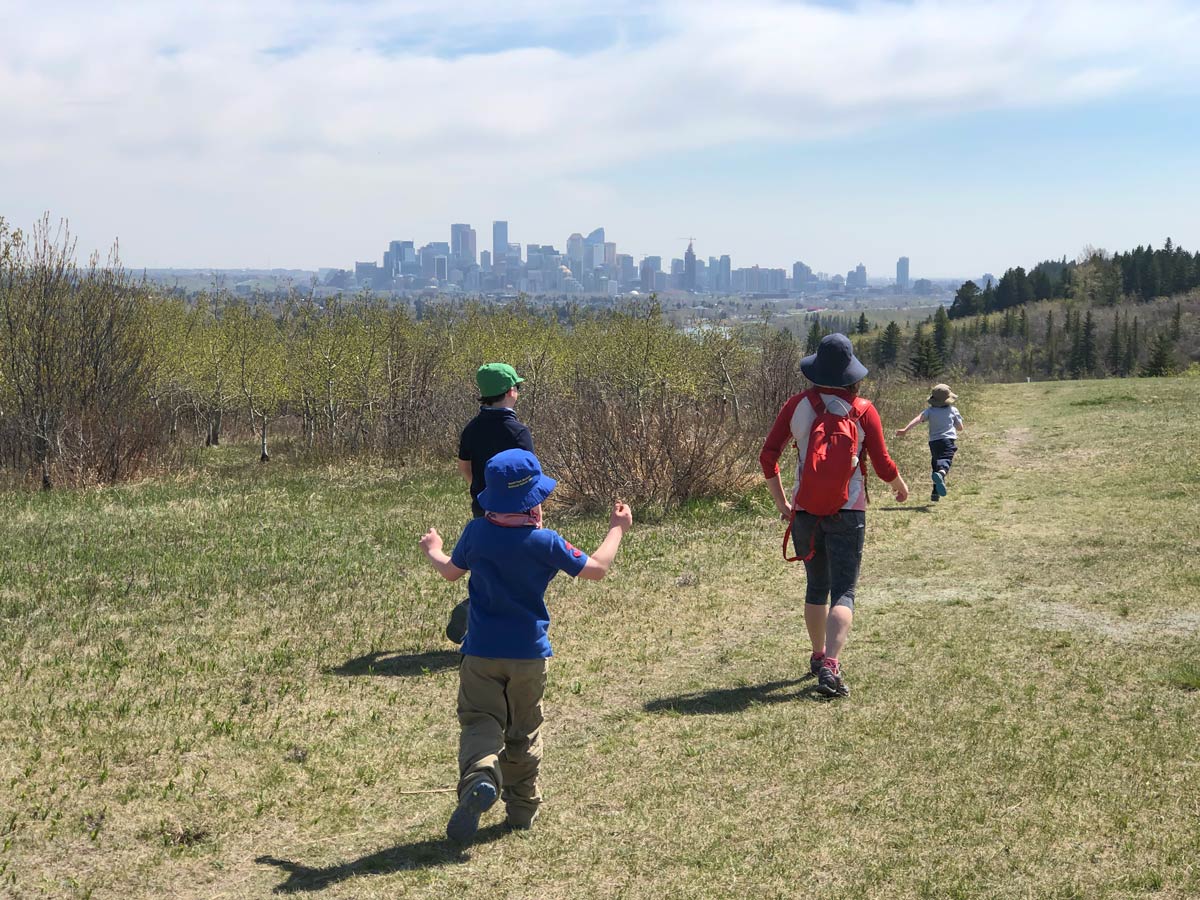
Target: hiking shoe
{"points": [[814, 663], [477, 800], [521, 819], [456, 628], [939, 483], [934, 497], [829, 680]]}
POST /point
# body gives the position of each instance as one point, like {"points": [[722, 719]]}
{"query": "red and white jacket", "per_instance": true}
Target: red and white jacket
{"points": [[794, 422]]}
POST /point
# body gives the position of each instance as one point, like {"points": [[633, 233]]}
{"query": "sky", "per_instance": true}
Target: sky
{"points": [[968, 135]]}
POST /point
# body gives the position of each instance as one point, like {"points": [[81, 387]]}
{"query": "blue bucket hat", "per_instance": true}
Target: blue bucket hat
{"points": [[834, 364], [515, 482]]}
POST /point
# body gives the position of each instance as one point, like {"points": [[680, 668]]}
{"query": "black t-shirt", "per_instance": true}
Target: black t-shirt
{"points": [[493, 431]]}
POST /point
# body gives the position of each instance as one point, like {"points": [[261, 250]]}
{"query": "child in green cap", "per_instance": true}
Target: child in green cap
{"points": [[494, 429]]}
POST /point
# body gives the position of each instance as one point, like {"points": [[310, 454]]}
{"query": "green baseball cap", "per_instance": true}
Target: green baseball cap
{"points": [[495, 379]]}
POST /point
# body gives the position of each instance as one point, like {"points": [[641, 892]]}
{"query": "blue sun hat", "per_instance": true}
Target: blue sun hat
{"points": [[834, 364], [515, 483]]}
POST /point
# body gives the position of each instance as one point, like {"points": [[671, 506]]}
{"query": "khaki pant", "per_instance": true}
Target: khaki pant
{"points": [[500, 714]]}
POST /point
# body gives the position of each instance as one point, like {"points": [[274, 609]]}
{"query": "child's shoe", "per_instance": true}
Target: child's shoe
{"points": [[456, 628], [477, 800], [520, 818], [829, 680], [939, 483], [814, 663], [935, 497]]}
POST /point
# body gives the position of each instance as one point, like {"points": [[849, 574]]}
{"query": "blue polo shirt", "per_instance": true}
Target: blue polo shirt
{"points": [[510, 571]]}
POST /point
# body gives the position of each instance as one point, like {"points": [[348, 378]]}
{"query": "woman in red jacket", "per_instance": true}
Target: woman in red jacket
{"points": [[830, 543]]}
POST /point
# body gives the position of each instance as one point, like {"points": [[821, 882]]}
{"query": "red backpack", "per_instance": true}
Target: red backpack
{"points": [[829, 464]]}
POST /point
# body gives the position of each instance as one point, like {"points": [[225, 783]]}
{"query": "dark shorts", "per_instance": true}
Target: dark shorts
{"points": [[941, 454], [837, 545]]}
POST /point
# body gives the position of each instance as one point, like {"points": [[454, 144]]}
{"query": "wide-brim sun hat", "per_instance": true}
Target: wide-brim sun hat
{"points": [[515, 482], [940, 395], [834, 364]]}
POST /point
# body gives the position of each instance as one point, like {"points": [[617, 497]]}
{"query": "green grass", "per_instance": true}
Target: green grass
{"points": [[231, 682]]}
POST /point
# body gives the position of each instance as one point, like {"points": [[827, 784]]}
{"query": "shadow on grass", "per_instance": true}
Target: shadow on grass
{"points": [[404, 857], [922, 508], [731, 700], [400, 665]]}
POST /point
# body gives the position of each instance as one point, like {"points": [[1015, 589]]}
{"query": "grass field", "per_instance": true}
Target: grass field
{"points": [[234, 683]]}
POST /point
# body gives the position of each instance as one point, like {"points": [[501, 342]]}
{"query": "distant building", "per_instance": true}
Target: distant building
{"points": [[462, 244], [485, 260], [689, 268], [725, 276], [499, 240], [857, 277], [902, 273], [801, 275]]}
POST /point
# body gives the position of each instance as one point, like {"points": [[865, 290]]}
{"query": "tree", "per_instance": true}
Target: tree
{"points": [[1112, 356], [814, 336], [967, 301], [888, 348], [1162, 357], [923, 360], [863, 326], [941, 333]]}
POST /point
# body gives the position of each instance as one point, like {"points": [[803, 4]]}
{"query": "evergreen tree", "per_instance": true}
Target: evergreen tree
{"points": [[941, 333], [1132, 349], [1112, 358], [923, 361], [1052, 351], [814, 337], [889, 345], [1162, 357], [1023, 325], [863, 325], [967, 301], [1088, 344], [1177, 320]]}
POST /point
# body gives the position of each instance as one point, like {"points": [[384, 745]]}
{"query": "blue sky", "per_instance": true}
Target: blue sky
{"points": [[970, 136]]}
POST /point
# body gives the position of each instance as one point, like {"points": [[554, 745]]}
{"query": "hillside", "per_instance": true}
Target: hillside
{"points": [[233, 681]]}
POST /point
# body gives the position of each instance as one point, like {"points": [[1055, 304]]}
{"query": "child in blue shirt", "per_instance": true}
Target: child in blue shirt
{"points": [[945, 422], [512, 559]]}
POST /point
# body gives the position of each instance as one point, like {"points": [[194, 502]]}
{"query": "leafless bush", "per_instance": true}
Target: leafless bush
{"points": [[661, 452]]}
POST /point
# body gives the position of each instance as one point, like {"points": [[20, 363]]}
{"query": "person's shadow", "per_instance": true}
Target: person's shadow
{"points": [[401, 665], [731, 700], [401, 858]]}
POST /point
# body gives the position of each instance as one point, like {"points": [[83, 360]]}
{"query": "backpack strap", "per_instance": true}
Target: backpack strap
{"points": [[817, 403], [812, 542]]}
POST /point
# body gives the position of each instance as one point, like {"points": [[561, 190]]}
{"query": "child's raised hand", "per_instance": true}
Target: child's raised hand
{"points": [[622, 517], [431, 541]]}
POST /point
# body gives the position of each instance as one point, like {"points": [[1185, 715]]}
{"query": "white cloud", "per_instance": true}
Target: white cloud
{"points": [[212, 130]]}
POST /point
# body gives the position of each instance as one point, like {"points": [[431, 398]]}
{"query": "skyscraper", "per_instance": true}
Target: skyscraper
{"points": [[462, 244], [725, 278], [499, 240], [689, 268], [902, 273]]}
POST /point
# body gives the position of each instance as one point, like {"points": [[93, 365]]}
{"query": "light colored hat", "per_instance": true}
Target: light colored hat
{"points": [[941, 395]]}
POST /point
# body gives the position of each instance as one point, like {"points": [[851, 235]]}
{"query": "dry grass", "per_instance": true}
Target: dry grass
{"points": [[229, 684]]}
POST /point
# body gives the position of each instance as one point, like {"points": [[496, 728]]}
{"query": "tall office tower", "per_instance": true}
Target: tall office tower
{"points": [[499, 241], [610, 253], [441, 268], [725, 279], [689, 268], [575, 247], [649, 269], [462, 244], [485, 260], [902, 273], [857, 278]]}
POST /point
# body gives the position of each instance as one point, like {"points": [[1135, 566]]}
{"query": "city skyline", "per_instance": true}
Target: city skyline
{"points": [[978, 135], [589, 264]]}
